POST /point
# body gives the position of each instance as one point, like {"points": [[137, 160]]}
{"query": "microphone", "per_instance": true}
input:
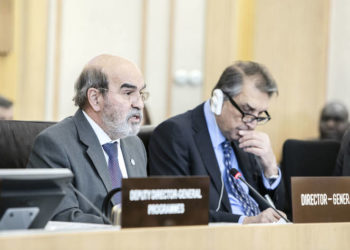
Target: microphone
{"points": [[90, 204], [107, 200], [106, 214], [237, 175]]}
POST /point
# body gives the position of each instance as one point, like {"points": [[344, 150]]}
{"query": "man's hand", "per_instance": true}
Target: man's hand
{"points": [[267, 216], [258, 143]]}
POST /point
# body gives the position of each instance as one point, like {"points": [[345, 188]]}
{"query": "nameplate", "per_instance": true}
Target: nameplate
{"points": [[320, 199], [165, 201]]}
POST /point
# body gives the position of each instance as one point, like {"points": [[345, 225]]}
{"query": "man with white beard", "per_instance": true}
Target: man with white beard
{"points": [[99, 143]]}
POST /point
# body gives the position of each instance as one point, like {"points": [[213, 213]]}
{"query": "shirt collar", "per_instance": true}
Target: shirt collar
{"points": [[102, 137], [215, 133]]}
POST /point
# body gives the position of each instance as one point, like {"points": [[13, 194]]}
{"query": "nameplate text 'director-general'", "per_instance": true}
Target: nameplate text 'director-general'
{"points": [[320, 199]]}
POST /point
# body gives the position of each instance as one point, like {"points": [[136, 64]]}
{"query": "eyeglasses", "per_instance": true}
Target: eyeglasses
{"points": [[134, 95], [144, 95], [248, 118]]}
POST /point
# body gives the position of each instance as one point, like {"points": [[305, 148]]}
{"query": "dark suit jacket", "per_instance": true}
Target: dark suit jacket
{"points": [[342, 167], [73, 144], [182, 146]]}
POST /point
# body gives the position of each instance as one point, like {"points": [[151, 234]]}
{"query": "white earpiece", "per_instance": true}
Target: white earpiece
{"points": [[216, 101]]}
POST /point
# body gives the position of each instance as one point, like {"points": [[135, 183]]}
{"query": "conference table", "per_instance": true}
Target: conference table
{"points": [[214, 236]]}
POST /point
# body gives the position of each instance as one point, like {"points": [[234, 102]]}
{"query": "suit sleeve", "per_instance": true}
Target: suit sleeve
{"points": [[48, 153]]}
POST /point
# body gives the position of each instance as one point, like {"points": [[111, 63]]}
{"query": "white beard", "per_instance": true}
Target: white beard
{"points": [[116, 127]]}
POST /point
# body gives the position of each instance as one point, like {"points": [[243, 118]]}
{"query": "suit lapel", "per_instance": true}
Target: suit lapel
{"points": [[129, 159], [94, 150], [205, 147]]}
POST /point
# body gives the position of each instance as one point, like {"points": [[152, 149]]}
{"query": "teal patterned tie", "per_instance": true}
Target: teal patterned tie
{"points": [[249, 206]]}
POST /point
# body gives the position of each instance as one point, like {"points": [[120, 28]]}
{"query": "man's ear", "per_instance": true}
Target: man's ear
{"points": [[95, 99]]}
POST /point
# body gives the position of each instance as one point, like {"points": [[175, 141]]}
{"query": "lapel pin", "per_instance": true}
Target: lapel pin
{"points": [[132, 162]]}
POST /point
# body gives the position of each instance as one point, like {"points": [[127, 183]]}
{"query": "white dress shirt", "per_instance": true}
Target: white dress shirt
{"points": [[104, 138]]}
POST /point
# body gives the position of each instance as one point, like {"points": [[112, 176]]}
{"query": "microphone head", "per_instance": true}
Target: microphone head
{"points": [[234, 172]]}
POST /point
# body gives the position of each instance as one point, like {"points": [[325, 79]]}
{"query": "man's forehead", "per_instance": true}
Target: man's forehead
{"points": [[122, 81], [340, 116], [125, 75], [253, 97], [335, 110]]}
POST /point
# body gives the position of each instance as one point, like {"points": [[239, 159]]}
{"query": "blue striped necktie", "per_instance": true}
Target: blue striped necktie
{"points": [[249, 206], [113, 166]]}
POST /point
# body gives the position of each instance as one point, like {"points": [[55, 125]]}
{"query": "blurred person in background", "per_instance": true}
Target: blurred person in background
{"points": [[333, 121], [6, 109]]}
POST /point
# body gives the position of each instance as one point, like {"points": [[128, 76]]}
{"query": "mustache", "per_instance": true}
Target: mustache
{"points": [[135, 112]]}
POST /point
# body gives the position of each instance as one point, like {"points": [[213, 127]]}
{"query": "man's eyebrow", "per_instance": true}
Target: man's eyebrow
{"points": [[131, 86], [251, 109], [128, 86]]}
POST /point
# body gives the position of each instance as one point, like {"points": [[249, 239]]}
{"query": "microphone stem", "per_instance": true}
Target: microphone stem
{"points": [[90, 204]]}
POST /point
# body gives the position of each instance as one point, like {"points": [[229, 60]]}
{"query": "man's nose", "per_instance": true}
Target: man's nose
{"points": [[252, 125], [138, 102], [331, 123]]}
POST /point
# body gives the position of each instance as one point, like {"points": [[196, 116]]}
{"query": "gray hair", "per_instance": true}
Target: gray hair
{"points": [[233, 76], [5, 103], [89, 78]]}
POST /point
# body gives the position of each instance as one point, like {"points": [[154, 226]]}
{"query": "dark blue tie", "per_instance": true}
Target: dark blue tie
{"points": [[249, 206], [113, 166]]}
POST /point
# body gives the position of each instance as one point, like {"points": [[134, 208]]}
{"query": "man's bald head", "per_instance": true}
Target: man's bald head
{"points": [[110, 64], [99, 72], [333, 121]]}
